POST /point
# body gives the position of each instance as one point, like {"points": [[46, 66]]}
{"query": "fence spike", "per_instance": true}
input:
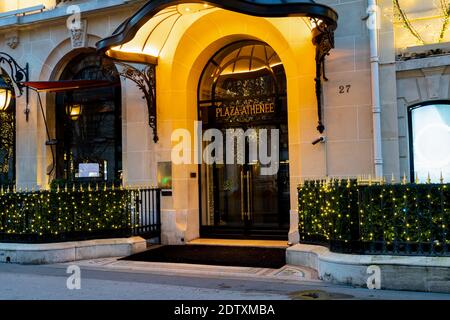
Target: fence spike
{"points": [[428, 178], [65, 187], [417, 178], [393, 178], [2, 190], [404, 180], [442, 178]]}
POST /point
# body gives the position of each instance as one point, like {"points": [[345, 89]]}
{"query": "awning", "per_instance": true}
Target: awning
{"points": [[57, 86], [142, 37]]}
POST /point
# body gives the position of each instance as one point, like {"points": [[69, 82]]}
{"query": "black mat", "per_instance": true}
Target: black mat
{"points": [[255, 257]]}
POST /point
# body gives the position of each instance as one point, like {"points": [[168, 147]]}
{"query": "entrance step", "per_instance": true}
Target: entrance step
{"points": [[233, 256], [241, 243], [285, 273]]}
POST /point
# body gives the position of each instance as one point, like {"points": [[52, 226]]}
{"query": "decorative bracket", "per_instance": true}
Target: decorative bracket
{"points": [[323, 39], [146, 82], [19, 75]]}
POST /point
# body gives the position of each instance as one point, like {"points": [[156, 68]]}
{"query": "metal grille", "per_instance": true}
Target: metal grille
{"points": [[146, 213]]}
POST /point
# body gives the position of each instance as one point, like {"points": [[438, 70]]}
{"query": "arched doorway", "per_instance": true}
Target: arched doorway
{"points": [[7, 136], [242, 93], [89, 125]]}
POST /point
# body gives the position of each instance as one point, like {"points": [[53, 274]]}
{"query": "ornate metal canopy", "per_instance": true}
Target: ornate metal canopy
{"points": [[142, 37]]}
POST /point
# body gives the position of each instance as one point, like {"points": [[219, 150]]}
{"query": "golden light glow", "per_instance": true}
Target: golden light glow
{"points": [[252, 70], [74, 111], [153, 36], [419, 23], [5, 99]]}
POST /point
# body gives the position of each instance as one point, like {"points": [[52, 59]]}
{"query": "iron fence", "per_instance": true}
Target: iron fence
{"points": [[70, 214], [146, 207], [394, 219]]}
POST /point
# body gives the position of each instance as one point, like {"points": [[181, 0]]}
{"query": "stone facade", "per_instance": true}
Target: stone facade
{"points": [[43, 40]]}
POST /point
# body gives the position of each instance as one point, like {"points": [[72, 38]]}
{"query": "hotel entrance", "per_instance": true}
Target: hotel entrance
{"points": [[242, 95], [225, 63]]}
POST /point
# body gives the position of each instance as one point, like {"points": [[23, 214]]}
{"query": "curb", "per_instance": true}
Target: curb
{"points": [[427, 274], [51, 253]]}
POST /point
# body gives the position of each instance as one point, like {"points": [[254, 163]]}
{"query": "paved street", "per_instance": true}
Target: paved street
{"points": [[108, 279]]}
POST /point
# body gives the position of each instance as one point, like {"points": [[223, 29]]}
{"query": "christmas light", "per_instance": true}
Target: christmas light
{"points": [[393, 215], [65, 210]]}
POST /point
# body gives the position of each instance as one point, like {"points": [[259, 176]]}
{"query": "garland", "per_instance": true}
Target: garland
{"points": [[444, 7]]}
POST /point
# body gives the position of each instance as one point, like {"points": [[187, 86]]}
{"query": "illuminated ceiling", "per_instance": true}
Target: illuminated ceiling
{"points": [[144, 36]]}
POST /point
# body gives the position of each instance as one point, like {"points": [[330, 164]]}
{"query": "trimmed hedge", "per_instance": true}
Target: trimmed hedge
{"points": [[393, 219], [60, 215]]}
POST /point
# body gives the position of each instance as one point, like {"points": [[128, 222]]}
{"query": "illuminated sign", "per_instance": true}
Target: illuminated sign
{"points": [[245, 110]]}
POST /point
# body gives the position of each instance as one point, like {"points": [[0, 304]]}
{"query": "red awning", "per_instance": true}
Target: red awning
{"points": [[55, 86]]}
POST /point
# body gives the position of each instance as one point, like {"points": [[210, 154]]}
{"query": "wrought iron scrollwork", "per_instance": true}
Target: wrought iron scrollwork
{"points": [[323, 39], [146, 81], [18, 76]]}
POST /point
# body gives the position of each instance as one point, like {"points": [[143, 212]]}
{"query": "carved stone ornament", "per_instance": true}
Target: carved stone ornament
{"points": [[323, 39], [78, 36], [12, 39]]}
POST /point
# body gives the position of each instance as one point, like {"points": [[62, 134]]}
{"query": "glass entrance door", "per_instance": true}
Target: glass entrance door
{"points": [[239, 200], [243, 87]]}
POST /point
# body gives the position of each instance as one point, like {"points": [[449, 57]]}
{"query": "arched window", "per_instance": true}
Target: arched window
{"points": [[89, 125], [7, 138], [429, 130], [242, 71]]}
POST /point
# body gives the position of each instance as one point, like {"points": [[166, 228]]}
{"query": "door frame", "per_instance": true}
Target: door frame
{"points": [[227, 232]]}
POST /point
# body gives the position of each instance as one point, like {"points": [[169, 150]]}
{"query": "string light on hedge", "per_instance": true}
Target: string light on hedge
{"points": [[398, 207]]}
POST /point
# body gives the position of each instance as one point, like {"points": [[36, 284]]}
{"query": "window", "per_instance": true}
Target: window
{"points": [[89, 125], [430, 141]]}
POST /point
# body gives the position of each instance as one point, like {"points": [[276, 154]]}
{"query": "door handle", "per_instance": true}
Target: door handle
{"points": [[243, 213], [249, 195]]}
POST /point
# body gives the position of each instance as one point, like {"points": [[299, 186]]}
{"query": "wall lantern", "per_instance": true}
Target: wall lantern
{"points": [[74, 110], [6, 93], [18, 75]]}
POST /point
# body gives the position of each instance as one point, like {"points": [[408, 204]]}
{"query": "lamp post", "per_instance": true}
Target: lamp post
{"points": [[18, 76]]}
